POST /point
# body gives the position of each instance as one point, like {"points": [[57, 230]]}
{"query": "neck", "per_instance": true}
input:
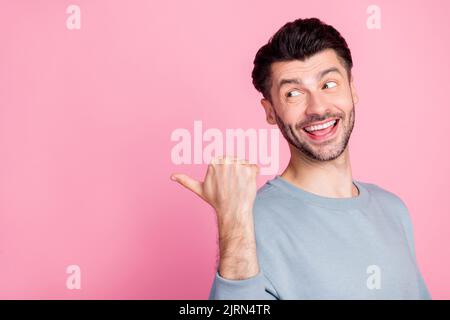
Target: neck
{"points": [[331, 179]]}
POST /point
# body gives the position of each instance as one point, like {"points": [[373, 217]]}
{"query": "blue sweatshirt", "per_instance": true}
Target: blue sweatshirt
{"points": [[315, 247]]}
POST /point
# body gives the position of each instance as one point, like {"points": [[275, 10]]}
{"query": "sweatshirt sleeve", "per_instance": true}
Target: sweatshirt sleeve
{"points": [[257, 287]]}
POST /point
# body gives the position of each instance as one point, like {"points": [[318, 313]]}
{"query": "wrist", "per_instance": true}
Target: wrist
{"points": [[235, 268]]}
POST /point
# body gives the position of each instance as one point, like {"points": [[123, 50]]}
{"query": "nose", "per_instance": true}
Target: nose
{"points": [[316, 104]]}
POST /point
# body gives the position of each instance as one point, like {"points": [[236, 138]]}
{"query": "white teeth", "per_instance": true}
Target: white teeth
{"points": [[321, 126]]}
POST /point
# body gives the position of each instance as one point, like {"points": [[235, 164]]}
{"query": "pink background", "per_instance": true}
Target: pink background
{"points": [[86, 118]]}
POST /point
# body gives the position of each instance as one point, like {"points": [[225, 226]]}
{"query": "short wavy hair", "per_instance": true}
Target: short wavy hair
{"points": [[297, 40]]}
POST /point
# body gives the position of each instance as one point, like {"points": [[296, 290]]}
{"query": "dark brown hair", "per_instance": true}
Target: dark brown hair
{"points": [[297, 40]]}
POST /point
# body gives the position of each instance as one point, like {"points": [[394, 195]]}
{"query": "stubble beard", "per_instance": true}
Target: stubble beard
{"points": [[327, 151]]}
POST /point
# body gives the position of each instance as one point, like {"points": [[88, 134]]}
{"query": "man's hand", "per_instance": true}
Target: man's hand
{"points": [[230, 188]]}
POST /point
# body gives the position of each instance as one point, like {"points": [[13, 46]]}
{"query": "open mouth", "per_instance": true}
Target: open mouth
{"points": [[323, 131]]}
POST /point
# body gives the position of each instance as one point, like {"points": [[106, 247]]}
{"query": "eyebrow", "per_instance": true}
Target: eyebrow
{"points": [[319, 76]]}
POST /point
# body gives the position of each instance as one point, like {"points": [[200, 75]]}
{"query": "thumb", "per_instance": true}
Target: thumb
{"points": [[189, 183]]}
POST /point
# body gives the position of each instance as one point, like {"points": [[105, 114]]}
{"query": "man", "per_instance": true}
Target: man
{"points": [[312, 232]]}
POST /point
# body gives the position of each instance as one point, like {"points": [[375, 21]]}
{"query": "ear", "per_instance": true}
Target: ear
{"points": [[353, 91], [270, 113]]}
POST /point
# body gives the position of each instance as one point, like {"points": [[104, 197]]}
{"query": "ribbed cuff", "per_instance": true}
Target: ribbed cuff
{"points": [[246, 289]]}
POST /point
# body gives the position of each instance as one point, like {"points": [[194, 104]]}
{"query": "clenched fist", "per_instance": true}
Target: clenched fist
{"points": [[230, 188]]}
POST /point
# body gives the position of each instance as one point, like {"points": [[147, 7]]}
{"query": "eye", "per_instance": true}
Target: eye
{"points": [[293, 93], [330, 84]]}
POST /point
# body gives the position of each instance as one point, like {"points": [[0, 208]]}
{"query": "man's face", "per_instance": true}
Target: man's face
{"points": [[310, 93]]}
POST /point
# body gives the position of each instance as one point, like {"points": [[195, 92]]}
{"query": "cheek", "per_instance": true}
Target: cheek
{"points": [[290, 116], [344, 102], [346, 98], [289, 111]]}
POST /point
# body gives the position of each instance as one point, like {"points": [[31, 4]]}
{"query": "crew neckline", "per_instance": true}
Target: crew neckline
{"points": [[358, 202]]}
